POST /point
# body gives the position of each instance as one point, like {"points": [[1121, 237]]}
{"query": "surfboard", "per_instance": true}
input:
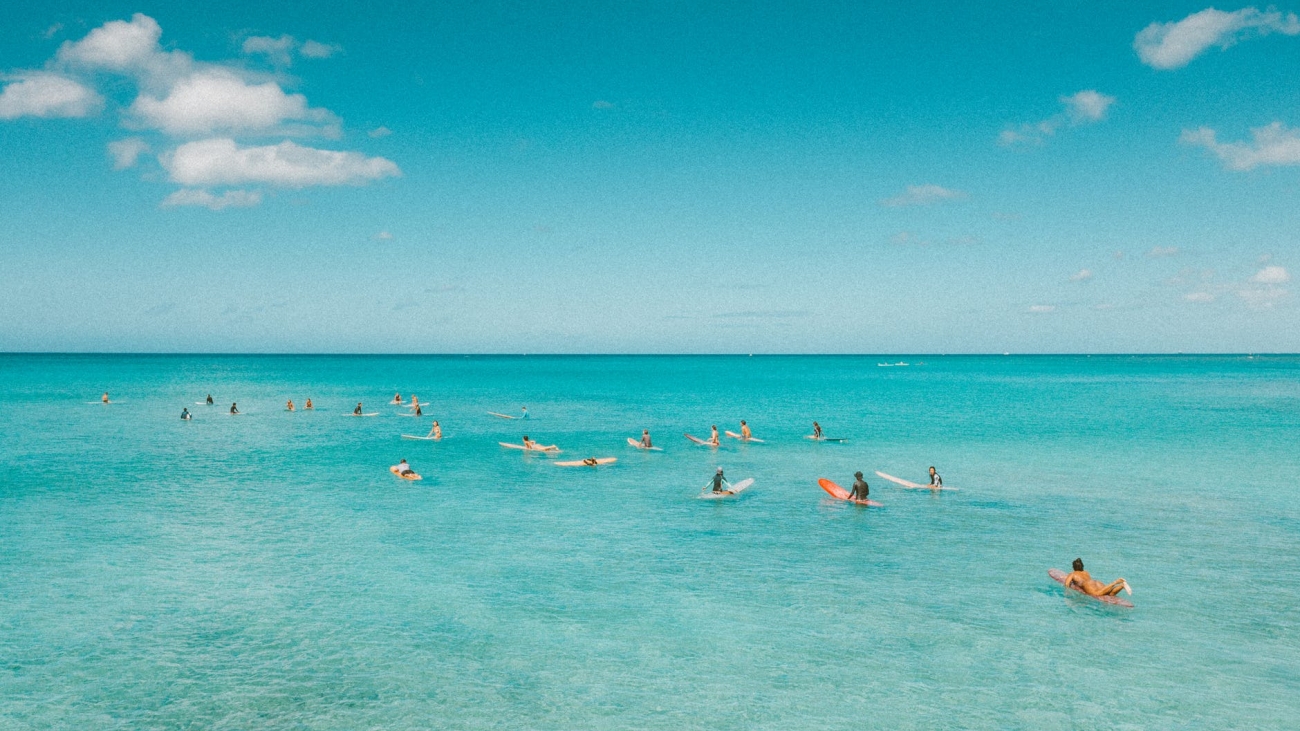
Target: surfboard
{"points": [[701, 442], [582, 463], [734, 435], [203, 403], [407, 476], [735, 490], [912, 485], [840, 493], [423, 439], [823, 439], [552, 449], [501, 416], [396, 403], [637, 443], [373, 413], [1059, 577]]}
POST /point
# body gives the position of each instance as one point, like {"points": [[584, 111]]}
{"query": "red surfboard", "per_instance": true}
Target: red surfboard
{"points": [[840, 493]]}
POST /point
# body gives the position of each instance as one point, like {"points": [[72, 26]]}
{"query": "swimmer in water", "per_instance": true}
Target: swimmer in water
{"points": [[209, 399], [714, 438], [1083, 581], [817, 430], [289, 406], [357, 410], [234, 408], [645, 439], [185, 414], [745, 433], [935, 480], [860, 488]]}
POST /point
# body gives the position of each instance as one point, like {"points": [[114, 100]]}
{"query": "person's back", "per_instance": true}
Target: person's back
{"points": [[185, 414], [234, 408], [1083, 581], [860, 488], [645, 438], [209, 399], [718, 479]]}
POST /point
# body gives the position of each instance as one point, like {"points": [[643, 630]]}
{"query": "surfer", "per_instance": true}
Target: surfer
{"points": [[418, 412], [397, 399], [935, 480], [403, 468], [528, 443], [436, 431], [104, 398], [1083, 581], [645, 439], [357, 410], [590, 462], [209, 399], [745, 433], [860, 488], [185, 414], [817, 430], [289, 406], [305, 406], [234, 408], [525, 410], [714, 438], [719, 480]]}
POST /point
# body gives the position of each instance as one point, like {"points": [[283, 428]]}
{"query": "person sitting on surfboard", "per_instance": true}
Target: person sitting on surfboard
{"points": [[308, 404], [357, 410], [289, 406], [745, 433], [528, 443], [714, 439], [403, 467], [817, 430], [935, 479], [234, 408], [1083, 581], [645, 439], [185, 414], [397, 399], [718, 479], [525, 410], [436, 431], [209, 399], [860, 488], [590, 462]]}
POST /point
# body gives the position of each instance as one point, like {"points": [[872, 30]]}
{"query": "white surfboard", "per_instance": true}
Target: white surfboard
{"points": [[373, 413], [551, 449], [734, 435], [423, 439], [637, 443], [912, 485], [501, 416], [701, 442], [735, 490], [824, 439]]}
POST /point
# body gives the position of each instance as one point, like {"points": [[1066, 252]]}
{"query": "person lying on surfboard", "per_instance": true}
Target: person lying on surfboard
{"points": [[357, 410], [645, 439], [714, 438], [1083, 581], [935, 479], [817, 430], [403, 467], [745, 433], [860, 488]]}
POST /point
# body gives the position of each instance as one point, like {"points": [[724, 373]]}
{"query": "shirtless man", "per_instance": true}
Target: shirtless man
{"points": [[308, 405], [817, 430], [714, 438], [645, 439], [1083, 581], [104, 398], [745, 433], [860, 488]]}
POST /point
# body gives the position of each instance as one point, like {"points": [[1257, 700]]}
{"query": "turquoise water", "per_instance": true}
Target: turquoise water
{"points": [[267, 572]]}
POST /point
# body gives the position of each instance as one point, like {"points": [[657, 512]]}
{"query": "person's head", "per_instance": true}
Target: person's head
{"points": [[525, 437], [645, 431], [858, 475], [932, 469], [715, 427], [742, 422], [435, 422], [1078, 564], [403, 462], [719, 470]]}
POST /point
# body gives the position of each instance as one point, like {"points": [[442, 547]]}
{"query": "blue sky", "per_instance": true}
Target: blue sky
{"points": [[614, 177]]}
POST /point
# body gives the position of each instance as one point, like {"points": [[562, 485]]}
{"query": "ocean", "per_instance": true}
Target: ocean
{"points": [[266, 571]]}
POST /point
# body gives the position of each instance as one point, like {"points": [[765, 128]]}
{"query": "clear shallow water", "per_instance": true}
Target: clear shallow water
{"points": [[265, 571]]}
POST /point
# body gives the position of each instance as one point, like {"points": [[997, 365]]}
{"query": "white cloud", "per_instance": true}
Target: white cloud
{"points": [[383, 236], [1173, 45], [1157, 252], [221, 161], [1082, 275], [1261, 296], [316, 49], [919, 195], [1042, 308], [200, 197], [128, 47], [378, 132], [1199, 297], [1274, 144], [217, 100], [278, 50], [1083, 107], [40, 94], [1272, 275], [125, 152]]}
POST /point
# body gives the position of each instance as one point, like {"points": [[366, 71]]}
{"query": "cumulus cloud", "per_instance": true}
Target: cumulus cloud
{"points": [[1083, 107], [1042, 308], [128, 47], [919, 195], [1157, 252], [40, 94], [1271, 275], [126, 152], [316, 49], [1274, 144], [217, 100], [378, 132], [200, 197], [221, 161], [278, 50], [1082, 275], [1168, 46]]}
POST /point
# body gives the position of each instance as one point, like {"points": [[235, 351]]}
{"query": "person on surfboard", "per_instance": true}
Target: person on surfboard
{"points": [[860, 488], [719, 480], [525, 410], [104, 398], [289, 406], [714, 438], [1083, 581], [308, 405], [645, 439], [357, 410], [403, 468], [397, 398], [185, 414], [418, 411], [234, 408], [436, 431], [745, 433], [935, 480], [209, 399], [817, 430]]}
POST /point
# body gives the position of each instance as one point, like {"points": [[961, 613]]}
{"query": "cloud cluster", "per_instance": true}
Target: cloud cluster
{"points": [[920, 195], [194, 111], [1082, 275], [1274, 144], [1263, 289], [1084, 107], [1169, 46]]}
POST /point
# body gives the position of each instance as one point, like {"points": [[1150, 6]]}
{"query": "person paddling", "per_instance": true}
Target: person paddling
{"points": [[860, 488], [1083, 581], [403, 468]]}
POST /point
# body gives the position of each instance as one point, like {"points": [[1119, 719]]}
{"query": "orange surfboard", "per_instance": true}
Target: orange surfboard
{"points": [[840, 493]]}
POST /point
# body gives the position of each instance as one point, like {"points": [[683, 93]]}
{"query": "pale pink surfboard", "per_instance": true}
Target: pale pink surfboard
{"points": [[1059, 577]]}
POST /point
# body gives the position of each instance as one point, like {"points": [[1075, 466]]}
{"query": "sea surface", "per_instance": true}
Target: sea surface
{"points": [[265, 571]]}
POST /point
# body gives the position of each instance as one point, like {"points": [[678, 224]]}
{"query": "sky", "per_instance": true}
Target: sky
{"points": [[664, 177]]}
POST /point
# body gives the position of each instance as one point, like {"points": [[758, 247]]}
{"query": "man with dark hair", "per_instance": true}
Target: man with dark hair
{"points": [[860, 488], [1083, 581]]}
